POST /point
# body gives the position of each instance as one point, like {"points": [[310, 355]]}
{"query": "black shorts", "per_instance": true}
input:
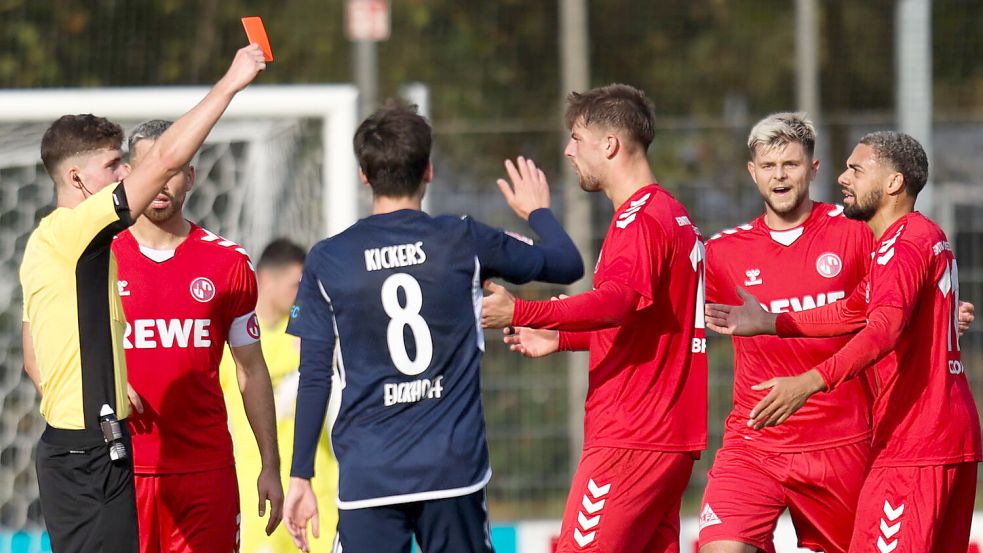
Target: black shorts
{"points": [[452, 525], [87, 500]]}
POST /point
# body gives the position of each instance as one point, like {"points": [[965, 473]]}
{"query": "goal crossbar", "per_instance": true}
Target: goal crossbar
{"points": [[336, 106]]}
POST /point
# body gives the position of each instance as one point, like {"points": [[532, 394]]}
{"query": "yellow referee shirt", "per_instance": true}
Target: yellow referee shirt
{"points": [[282, 354], [71, 301]]}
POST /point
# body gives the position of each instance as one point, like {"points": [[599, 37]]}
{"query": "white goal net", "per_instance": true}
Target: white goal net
{"points": [[279, 163]]}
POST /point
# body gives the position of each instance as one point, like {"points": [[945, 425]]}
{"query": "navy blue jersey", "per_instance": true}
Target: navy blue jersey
{"points": [[396, 300]]}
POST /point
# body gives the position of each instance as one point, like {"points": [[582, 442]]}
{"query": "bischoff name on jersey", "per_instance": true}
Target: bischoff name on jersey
{"points": [[413, 391], [390, 257]]}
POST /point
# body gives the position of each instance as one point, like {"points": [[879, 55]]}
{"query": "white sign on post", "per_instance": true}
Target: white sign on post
{"points": [[367, 20]]}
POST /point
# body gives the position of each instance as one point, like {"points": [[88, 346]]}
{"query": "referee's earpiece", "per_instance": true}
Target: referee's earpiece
{"points": [[81, 187]]}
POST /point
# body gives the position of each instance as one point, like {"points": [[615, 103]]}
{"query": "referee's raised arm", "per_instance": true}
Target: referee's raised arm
{"points": [[74, 325], [175, 148]]}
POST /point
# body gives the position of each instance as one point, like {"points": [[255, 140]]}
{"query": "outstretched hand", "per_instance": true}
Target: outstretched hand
{"points": [[529, 190], [531, 342], [747, 319]]}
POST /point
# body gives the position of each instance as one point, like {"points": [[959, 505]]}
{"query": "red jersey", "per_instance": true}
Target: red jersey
{"points": [[818, 262], [924, 412], [648, 376], [181, 309]]}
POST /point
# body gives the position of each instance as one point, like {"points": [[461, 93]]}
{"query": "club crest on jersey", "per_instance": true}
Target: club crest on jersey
{"points": [[202, 290], [829, 265], [252, 327], [753, 277]]}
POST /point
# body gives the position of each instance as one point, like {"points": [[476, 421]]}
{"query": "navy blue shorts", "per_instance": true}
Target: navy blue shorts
{"points": [[452, 525]]}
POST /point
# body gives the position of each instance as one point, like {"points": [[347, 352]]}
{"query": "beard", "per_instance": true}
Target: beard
{"points": [[165, 213], [789, 204], [863, 209], [589, 184]]}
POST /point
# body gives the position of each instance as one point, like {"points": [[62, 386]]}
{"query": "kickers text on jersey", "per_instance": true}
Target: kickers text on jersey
{"points": [[390, 257]]}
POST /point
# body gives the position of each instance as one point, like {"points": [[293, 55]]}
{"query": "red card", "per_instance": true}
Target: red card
{"points": [[256, 34]]}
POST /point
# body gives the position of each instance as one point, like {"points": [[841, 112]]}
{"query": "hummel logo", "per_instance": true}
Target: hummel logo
{"points": [[886, 250], [592, 504], [587, 523], [121, 286], [590, 507], [597, 491], [708, 517], [583, 539], [753, 277], [891, 512], [889, 531], [628, 216]]}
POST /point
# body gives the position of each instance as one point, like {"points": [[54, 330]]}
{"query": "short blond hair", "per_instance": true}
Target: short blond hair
{"points": [[781, 129]]}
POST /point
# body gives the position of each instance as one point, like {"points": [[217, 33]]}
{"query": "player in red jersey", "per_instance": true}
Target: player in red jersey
{"points": [[798, 255], [645, 419], [920, 492], [186, 292]]}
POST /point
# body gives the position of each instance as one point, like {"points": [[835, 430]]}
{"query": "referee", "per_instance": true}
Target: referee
{"points": [[73, 318]]}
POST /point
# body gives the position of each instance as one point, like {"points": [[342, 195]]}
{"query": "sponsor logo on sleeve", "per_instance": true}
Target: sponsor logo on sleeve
{"points": [[252, 327]]}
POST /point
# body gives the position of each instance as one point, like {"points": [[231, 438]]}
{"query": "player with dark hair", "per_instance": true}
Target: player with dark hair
{"points": [[186, 292], [392, 306], [645, 417], [920, 492], [73, 315], [278, 274]]}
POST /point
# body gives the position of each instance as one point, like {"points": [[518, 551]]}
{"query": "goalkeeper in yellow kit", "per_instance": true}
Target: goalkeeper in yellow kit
{"points": [[278, 273]]}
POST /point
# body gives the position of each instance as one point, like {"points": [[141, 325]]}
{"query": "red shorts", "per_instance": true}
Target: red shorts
{"points": [[624, 500], [748, 489], [916, 510], [188, 512]]}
